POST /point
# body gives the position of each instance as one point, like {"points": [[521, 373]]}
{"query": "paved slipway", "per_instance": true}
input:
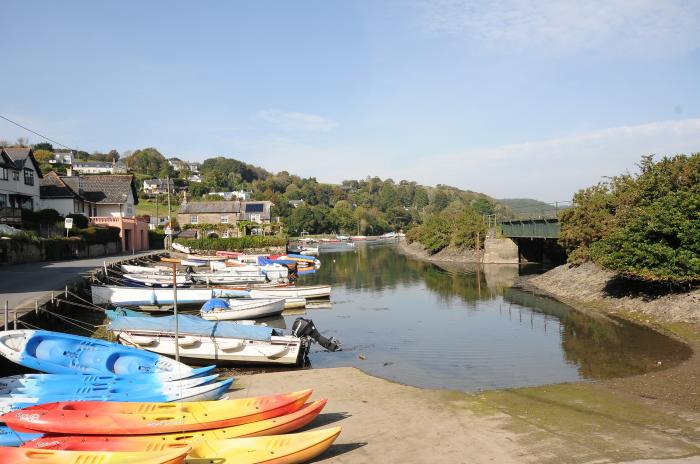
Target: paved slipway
{"points": [[385, 422], [22, 284]]}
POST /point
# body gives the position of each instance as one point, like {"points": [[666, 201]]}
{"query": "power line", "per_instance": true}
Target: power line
{"points": [[34, 132]]}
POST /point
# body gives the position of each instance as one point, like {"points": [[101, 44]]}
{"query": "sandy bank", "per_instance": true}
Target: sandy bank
{"points": [[384, 422]]}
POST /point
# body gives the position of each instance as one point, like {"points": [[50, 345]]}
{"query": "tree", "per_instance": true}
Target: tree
{"points": [[43, 146], [146, 161]]}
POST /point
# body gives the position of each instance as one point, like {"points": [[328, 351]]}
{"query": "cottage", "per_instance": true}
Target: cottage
{"points": [[56, 194], [157, 186], [19, 183], [227, 214], [98, 167]]}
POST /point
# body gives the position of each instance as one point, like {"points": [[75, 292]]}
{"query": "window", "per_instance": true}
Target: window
{"points": [[129, 210], [4, 175], [225, 234], [224, 219], [3, 200], [194, 220], [28, 176], [15, 175]]}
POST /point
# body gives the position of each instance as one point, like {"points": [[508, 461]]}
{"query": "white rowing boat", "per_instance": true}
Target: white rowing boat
{"points": [[245, 308], [308, 292], [147, 296]]}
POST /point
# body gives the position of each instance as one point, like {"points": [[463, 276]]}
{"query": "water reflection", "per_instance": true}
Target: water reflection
{"points": [[465, 327]]}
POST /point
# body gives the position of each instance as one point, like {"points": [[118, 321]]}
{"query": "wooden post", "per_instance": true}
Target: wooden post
{"points": [[7, 314], [14, 313], [175, 262], [36, 307]]}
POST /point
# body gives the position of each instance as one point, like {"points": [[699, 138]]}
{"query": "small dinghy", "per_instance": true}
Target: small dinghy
{"points": [[60, 353], [201, 340], [156, 280], [308, 292], [218, 309], [128, 296], [227, 278], [119, 418]]}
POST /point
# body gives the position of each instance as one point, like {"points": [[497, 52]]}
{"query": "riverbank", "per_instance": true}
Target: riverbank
{"points": [[446, 255]]}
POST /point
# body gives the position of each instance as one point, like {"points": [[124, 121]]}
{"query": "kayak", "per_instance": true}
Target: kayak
{"points": [[98, 387], [9, 437], [290, 448], [173, 455], [275, 426], [24, 380], [208, 392], [61, 353], [122, 418]]}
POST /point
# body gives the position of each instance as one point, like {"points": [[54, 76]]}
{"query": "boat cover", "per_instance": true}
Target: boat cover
{"points": [[192, 325], [214, 304], [263, 261]]}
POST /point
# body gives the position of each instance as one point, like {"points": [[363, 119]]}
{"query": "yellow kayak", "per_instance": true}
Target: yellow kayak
{"points": [[174, 455], [292, 448]]}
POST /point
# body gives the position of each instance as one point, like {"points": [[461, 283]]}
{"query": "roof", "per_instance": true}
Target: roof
{"points": [[5, 160], [210, 207], [20, 156], [104, 188], [52, 186], [254, 207]]}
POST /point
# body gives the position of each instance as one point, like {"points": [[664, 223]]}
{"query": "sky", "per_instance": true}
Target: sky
{"points": [[512, 98]]}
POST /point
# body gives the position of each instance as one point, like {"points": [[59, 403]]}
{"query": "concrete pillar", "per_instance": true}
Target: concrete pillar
{"points": [[500, 251]]}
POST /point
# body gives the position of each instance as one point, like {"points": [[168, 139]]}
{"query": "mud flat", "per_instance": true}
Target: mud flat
{"points": [[446, 255], [584, 422]]}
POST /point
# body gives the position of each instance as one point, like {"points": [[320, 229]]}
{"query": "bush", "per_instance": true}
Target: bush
{"points": [[79, 221], [234, 244], [645, 227], [156, 239], [457, 226], [99, 235]]}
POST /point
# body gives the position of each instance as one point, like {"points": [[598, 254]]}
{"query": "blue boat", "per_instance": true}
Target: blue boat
{"points": [[9, 437], [60, 353]]}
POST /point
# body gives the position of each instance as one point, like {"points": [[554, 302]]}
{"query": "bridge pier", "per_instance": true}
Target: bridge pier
{"points": [[500, 250]]}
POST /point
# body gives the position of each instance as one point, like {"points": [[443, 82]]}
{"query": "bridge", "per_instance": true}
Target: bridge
{"points": [[542, 228]]}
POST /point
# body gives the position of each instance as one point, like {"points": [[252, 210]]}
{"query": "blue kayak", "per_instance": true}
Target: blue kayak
{"points": [[9, 437], [207, 392], [60, 353]]}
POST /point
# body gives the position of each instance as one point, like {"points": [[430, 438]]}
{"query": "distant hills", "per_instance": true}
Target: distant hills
{"points": [[528, 207]]}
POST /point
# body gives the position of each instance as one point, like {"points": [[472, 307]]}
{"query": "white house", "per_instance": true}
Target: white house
{"points": [[157, 186], [240, 195], [19, 183], [98, 167]]}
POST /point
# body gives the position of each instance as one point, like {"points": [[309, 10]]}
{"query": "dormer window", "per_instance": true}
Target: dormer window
{"points": [[28, 176], [4, 174]]}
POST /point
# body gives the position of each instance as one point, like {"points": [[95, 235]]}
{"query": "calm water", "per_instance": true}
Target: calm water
{"points": [[466, 328]]}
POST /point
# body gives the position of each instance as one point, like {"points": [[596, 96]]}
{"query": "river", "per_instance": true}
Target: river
{"points": [[467, 327]]}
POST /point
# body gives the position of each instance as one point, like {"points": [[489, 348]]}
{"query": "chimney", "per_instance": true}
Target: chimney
{"points": [[69, 171]]}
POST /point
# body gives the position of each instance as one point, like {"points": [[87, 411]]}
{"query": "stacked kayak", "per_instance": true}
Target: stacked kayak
{"points": [[31, 456]]}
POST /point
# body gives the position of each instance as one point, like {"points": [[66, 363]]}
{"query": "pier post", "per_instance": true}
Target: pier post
{"points": [[14, 317], [7, 314], [36, 307]]}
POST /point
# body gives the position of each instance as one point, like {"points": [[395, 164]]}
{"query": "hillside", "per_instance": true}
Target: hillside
{"points": [[528, 207]]}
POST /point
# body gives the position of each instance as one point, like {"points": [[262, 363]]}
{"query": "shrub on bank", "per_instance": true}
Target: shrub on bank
{"points": [[456, 225], [234, 244], [645, 227]]}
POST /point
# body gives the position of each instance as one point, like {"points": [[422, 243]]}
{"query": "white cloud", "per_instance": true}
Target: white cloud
{"points": [[552, 170], [296, 122], [629, 26]]}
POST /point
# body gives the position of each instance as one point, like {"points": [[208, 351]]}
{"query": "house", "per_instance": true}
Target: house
{"points": [[194, 166], [241, 195], [98, 167], [224, 213], [57, 194], [157, 186], [177, 164], [62, 157], [19, 183], [194, 178], [108, 200], [295, 203]]}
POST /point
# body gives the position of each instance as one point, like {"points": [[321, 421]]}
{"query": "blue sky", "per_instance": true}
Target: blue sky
{"points": [[512, 98]]}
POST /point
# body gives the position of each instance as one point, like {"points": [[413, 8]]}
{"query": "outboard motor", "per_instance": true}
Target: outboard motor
{"points": [[305, 328]]}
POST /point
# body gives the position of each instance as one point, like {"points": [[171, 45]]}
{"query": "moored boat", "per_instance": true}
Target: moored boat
{"points": [[308, 292], [128, 296], [241, 308]]}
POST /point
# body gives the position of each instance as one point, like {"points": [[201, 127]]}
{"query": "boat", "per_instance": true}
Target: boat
{"points": [[308, 292], [218, 309], [275, 426], [202, 340], [60, 353], [224, 278], [181, 248], [208, 392], [126, 296], [290, 448], [55, 386], [228, 254], [23, 380], [157, 280], [174, 455], [121, 418], [193, 262], [131, 269]]}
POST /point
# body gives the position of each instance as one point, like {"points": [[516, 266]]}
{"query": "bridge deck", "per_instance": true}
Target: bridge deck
{"points": [[531, 228]]}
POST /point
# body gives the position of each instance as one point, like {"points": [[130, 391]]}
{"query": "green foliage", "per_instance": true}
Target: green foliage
{"points": [[456, 225], [79, 221], [98, 235], [234, 244], [645, 227], [147, 161]]}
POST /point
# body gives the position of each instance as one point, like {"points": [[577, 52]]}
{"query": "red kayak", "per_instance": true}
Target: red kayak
{"points": [[122, 418]]}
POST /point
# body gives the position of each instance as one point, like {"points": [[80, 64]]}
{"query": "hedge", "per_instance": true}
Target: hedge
{"points": [[234, 244]]}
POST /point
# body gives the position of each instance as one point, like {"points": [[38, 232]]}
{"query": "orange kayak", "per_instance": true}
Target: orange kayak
{"points": [[122, 418], [274, 426], [175, 455]]}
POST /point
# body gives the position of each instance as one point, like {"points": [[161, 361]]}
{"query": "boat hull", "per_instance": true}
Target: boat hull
{"points": [[107, 294], [308, 292], [240, 309]]}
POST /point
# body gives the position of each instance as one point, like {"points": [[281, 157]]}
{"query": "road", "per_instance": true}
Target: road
{"points": [[22, 284]]}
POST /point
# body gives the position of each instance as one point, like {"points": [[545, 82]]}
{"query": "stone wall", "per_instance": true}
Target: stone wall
{"points": [[500, 251], [20, 252]]}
